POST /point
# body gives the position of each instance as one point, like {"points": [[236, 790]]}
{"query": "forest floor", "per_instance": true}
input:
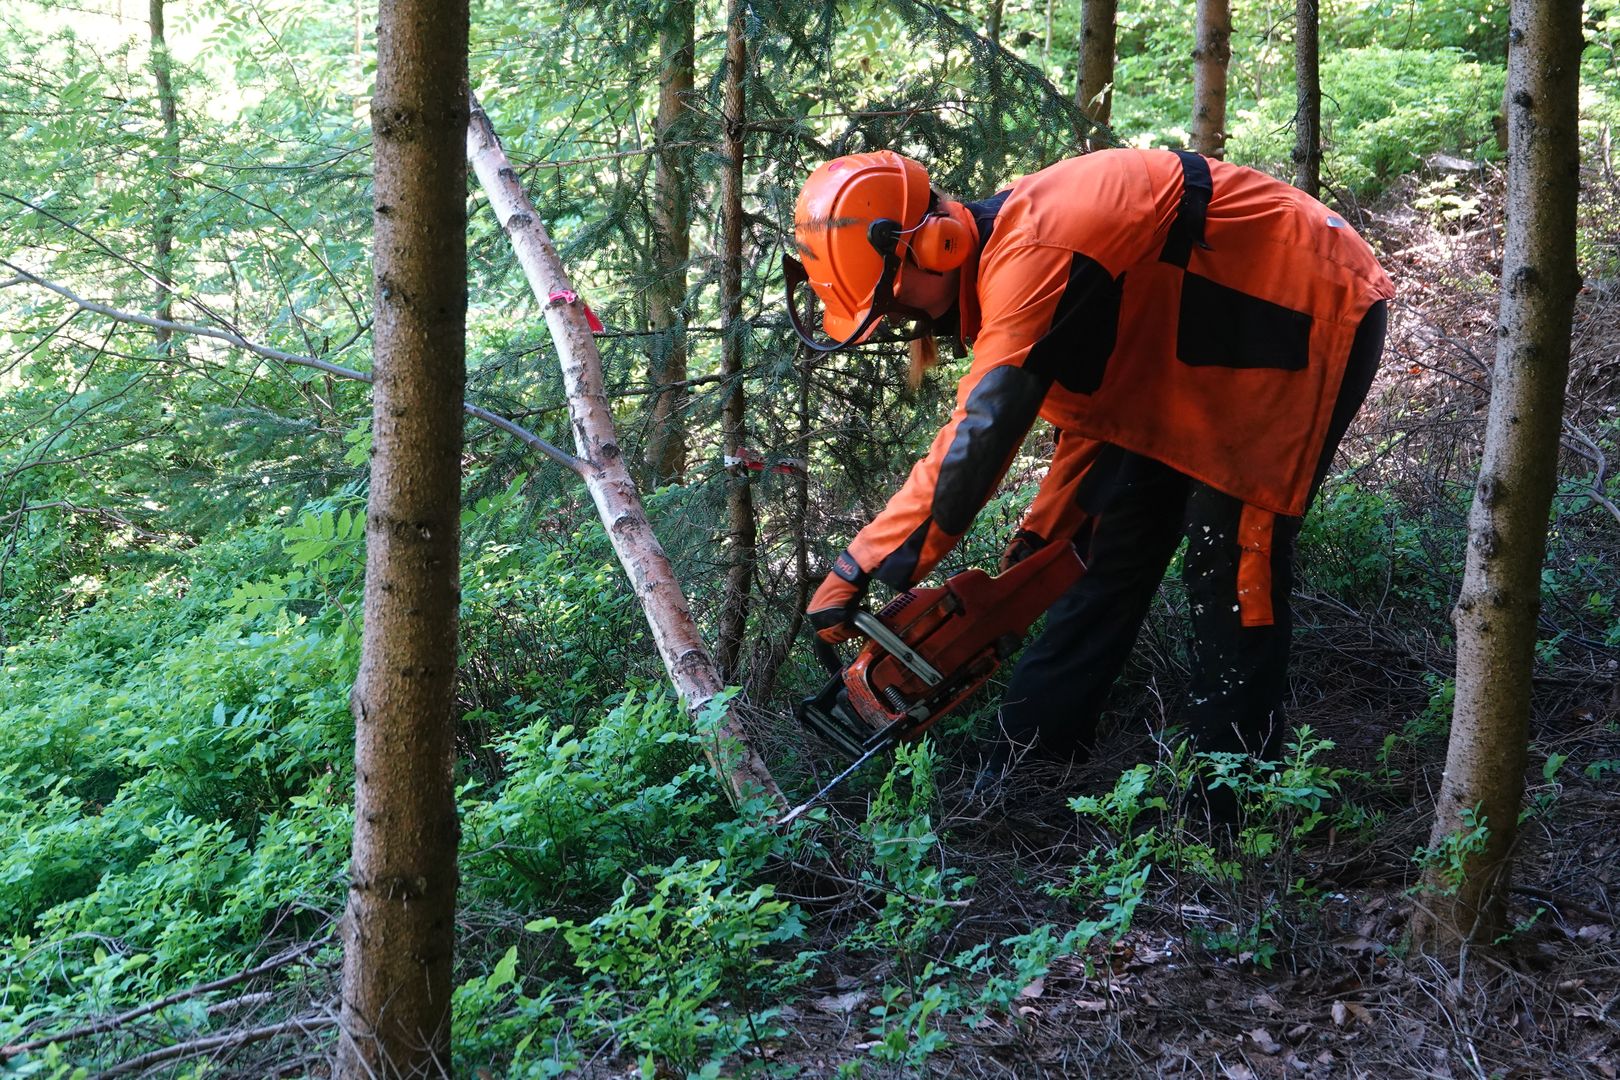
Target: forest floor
{"points": [[1292, 960], [1341, 996]]}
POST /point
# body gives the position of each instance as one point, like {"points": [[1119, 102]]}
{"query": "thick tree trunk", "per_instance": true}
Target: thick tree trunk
{"points": [[1095, 94], [1466, 885], [168, 169], [665, 455], [400, 926], [691, 669], [1212, 51], [1308, 93], [741, 530], [992, 27]]}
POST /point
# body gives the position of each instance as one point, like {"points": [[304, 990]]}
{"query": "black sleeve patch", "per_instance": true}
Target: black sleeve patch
{"points": [[1076, 348], [1222, 327], [898, 570], [999, 411]]}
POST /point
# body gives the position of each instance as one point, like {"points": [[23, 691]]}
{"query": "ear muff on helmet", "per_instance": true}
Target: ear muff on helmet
{"points": [[940, 243]]}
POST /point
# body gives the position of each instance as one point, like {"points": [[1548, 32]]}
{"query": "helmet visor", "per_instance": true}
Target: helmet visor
{"points": [[901, 323]]}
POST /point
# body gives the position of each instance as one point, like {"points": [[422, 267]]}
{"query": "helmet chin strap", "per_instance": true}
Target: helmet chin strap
{"points": [[884, 235]]}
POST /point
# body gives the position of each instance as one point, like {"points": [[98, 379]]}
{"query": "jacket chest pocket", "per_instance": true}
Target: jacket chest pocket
{"points": [[1220, 326]]}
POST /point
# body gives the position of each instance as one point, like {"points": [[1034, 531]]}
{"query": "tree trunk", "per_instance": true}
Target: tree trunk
{"points": [[691, 670], [399, 930], [1211, 53], [1095, 94], [992, 29], [741, 531], [1466, 883], [1308, 92], [168, 170], [762, 676], [665, 454]]}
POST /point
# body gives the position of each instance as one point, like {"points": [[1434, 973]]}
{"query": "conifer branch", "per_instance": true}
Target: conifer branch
{"points": [[529, 438]]}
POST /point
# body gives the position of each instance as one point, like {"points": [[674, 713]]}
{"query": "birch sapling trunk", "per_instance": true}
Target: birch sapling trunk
{"points": [[665, 453], [691, 669], [1212, 51], [1095, 94], [399, 930], [1467, 874], [741, 530], [1308, 95]]}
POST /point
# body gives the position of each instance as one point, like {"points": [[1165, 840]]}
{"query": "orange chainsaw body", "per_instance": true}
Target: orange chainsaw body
{"points": [[962, 629]]}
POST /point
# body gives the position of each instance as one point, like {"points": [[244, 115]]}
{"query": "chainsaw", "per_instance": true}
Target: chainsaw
{"points": [[926, 652]]}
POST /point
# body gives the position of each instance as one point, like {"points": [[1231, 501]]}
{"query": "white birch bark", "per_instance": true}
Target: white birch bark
{"points": [[606, 473]]}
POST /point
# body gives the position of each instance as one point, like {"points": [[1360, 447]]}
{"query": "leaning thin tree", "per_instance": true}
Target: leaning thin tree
{"points": [[1476, 818], [602, 465], [399, 929]]}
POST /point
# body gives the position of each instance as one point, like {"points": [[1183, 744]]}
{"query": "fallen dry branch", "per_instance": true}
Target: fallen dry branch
{"points": [[225, 1040], [691, 668], [111, 1023]]}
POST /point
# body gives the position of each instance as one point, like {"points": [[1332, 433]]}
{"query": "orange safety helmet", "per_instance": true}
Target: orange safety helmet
{"points": [[856, 219]]}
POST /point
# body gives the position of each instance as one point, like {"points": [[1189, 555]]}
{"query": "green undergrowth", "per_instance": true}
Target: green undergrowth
{"points": [[179, 797], [178, 794], [175, 791]]}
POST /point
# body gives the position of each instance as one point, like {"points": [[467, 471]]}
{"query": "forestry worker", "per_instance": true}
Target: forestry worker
{"points": [[1198, 334]]}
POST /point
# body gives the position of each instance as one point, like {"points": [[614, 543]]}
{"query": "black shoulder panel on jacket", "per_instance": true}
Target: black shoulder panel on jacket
{"points": [[1075, 349], [984, 214]]}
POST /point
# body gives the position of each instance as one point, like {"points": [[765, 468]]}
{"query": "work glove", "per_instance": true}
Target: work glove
{"points": [[837, 600], [1024, 544]]}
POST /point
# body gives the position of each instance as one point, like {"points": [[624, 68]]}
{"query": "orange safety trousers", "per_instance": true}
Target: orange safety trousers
{"points": [[1139, 512]]}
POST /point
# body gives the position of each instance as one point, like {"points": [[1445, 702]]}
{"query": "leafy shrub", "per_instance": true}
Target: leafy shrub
{"points": [[1251, 867], [678, 952], [580, 810], [177, 787], [678, 967], [1383, 110], [904, 859], [1363, 547]]}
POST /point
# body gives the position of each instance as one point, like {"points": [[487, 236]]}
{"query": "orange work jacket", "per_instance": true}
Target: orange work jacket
{"points": [[1196, 312]]}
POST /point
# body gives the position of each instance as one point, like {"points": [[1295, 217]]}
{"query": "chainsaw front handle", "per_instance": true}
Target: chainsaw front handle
{"points": [[874, 628]]}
